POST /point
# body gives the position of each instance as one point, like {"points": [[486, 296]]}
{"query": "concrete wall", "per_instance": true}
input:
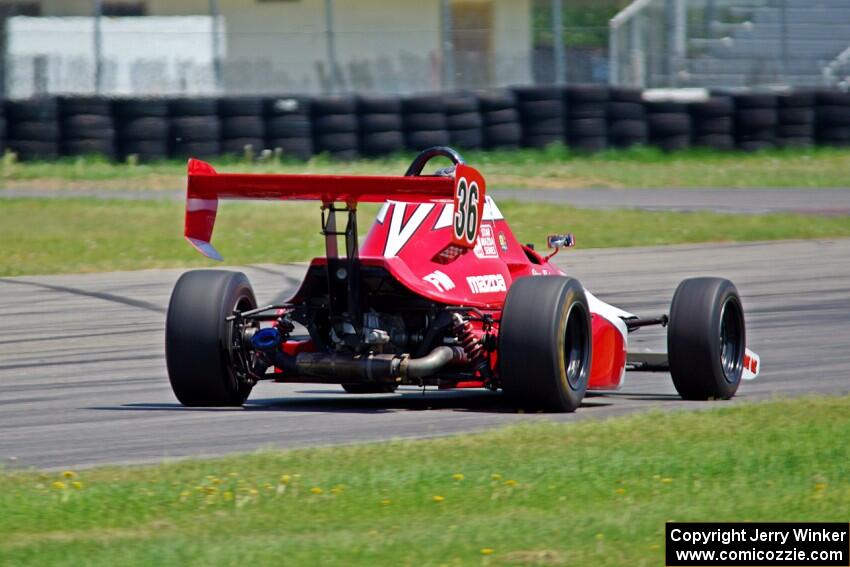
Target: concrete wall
{"points": [[513, 37], [381, 45], [155, 56]]}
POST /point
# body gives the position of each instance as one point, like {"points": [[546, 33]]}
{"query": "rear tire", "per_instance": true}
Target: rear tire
{"points": [[198, 338], [706, 339], [545, 344]]}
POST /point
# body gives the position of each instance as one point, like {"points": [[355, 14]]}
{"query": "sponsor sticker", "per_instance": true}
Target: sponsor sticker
{"points": [[490, 283], [752, 365], [440, 281], [503, 242], [485, 247]]}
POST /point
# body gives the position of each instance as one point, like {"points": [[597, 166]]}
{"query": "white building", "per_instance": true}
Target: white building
{"points": [[271, 46]]}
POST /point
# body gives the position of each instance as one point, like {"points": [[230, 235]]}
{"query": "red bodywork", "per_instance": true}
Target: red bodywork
{"points": [[413, 238]]}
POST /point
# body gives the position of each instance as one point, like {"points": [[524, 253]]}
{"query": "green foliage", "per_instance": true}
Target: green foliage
{"points": [[553, 167], [585, 22], [42, 236]]}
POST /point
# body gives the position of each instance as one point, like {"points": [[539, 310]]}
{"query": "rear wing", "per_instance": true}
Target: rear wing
{"points": [[206, 187]]}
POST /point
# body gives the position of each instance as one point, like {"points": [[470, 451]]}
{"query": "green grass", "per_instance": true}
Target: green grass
{"points": [[555, 167], [41, 236], [594, 493]]}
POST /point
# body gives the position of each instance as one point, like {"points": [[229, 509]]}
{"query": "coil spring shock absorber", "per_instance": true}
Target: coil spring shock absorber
{"points": [[464, 332]]}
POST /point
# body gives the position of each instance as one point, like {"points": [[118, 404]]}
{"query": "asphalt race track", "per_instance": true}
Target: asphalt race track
{"points": [[83, 381]]}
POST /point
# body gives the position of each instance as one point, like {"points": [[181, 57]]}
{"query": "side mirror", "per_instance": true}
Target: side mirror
{"points": [[558, 241]]}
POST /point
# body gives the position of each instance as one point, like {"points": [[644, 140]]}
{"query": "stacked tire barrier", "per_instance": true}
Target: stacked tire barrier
{"points": [[713, 123], [832, 111], [541, 111], [500, 119], [627, 124], [243, 126], [86, 127], [195, 128], [587, 117], [288, 127], [335, 126], [2, 129], [424, 121], [795, 120], [142, 129], [33, 128], [669, 125], [755, 121], [380, 125], [464, 122], [584, 117]]}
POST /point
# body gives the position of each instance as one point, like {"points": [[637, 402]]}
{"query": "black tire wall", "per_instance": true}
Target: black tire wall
{"points": [[243, 126], [335, 126], [541, 112], [195, 128], [713, 123], [86, 126], [424, 121], [501, 126], [288, 127], [142, 128], [380, 125], [832, 118], [627, 124], [585, 117], [756, 121], [669, 125], [32, 128]]}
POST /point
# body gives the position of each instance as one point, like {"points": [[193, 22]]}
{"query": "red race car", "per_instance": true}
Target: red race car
{"points": [[440, 293]]}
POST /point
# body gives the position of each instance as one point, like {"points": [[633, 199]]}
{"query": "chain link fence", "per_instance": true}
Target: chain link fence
{"points": [[730, 43]]}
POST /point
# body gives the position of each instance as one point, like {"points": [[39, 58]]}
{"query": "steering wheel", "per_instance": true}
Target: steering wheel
{"points": [[426, 155]]}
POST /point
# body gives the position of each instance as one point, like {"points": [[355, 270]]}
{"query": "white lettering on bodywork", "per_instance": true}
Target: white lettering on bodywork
{"points": [[485, 246], [490, 283]]}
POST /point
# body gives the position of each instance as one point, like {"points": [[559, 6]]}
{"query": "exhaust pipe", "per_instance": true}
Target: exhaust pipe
{"points": [[369, 368], [376, 367], [432, 362]]}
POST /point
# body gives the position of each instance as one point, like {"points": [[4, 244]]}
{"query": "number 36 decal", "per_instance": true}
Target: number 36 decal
{"points": [[469, 206]]}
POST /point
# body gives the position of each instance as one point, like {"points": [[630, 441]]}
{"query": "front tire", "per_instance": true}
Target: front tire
{"points": [[706, 339], [545, 343], [199, 339]]}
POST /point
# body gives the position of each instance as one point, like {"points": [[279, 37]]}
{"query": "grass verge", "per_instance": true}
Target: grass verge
{"points": [[594, 493], [42, 236], [555, 167]]}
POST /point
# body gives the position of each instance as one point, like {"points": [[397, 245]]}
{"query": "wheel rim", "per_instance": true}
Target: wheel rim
{"points": [[731, 340], [575, 346], [238, 354]]}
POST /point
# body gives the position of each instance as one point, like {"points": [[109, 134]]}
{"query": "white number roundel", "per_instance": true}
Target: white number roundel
{"points": [[465, 223]]}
